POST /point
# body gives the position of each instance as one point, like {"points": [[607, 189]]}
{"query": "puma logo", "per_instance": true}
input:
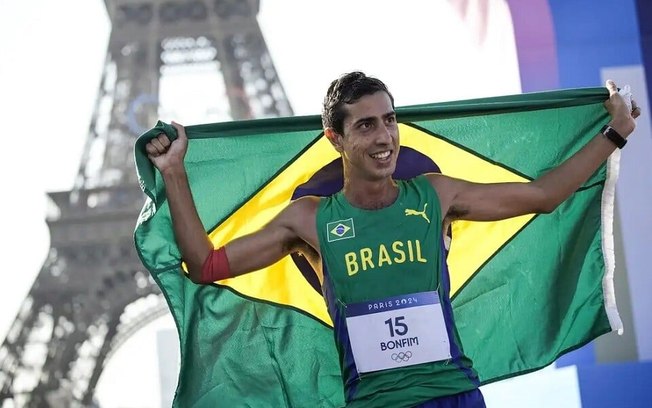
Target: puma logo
{"points": [[421, 213]]}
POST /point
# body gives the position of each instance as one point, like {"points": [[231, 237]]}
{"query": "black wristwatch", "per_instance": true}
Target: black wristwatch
{"points": [[611, 134]]}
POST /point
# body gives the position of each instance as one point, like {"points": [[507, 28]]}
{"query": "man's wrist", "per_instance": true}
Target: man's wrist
{"points": [[173, 172], [613, 136], [624, 127]]}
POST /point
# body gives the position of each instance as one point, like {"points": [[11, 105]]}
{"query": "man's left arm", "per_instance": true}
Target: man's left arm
{"points": [[489, 202]]}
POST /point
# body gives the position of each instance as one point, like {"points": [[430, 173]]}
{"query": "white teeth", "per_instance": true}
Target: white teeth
{"points": [[382, 155]]}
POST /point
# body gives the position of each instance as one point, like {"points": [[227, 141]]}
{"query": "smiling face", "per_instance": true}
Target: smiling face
{"points": [[370, 142]]}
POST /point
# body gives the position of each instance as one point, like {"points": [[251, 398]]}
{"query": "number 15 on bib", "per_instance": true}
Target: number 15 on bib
{"points": [[397, 332]]}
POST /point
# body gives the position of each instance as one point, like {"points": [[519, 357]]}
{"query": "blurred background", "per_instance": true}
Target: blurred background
{"points": [[83, 324]]}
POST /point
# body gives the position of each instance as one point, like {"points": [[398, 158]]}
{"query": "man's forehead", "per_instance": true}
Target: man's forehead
{"points": [[376, 104]]}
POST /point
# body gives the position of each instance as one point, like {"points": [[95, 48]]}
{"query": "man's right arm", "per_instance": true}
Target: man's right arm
{"points": [[244, 254]]}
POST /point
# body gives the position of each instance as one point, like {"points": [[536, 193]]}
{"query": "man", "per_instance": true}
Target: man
{"points": [[396, 260]]}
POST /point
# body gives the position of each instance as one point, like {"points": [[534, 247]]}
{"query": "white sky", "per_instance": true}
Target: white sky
{"points": [[51, 56]]}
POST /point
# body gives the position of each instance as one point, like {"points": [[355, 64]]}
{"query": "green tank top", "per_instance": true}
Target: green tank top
{"points": [[371, 259]]}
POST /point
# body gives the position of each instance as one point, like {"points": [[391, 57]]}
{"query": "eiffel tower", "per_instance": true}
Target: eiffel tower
{"points": [[92, 292]]}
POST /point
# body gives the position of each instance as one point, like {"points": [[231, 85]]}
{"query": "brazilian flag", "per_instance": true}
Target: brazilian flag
{"points": [[525, 290]]}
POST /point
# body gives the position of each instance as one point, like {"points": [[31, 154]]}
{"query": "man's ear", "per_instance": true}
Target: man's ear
{"points": [[334, 137]]}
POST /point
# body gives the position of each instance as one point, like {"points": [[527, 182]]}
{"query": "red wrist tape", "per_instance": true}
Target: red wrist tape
{"points": [[216, 267]]}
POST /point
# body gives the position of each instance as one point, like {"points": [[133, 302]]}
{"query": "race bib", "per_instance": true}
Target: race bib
{"points": [[397, 332]]}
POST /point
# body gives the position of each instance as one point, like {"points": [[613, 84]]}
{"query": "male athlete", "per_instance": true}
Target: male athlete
{"points": [[398, 226]]}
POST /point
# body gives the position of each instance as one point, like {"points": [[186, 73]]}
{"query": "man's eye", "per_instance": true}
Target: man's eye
{"points": [[365, 125], [391, 119]]}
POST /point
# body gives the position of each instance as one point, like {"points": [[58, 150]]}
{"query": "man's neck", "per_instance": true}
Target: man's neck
{"points": [[370, 195]]}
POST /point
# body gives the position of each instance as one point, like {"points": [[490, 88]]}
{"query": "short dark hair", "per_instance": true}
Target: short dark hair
{"points": [[347, 89]]}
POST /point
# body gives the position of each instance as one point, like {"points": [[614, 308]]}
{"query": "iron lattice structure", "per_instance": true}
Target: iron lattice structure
{"points": [[92, 292]]}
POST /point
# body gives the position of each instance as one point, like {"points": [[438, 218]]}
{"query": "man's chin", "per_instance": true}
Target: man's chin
{"points": [[384, 173]]}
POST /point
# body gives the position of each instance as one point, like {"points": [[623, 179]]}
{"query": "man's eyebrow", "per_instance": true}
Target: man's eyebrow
{"points": [[361, 120], [371, 118]]}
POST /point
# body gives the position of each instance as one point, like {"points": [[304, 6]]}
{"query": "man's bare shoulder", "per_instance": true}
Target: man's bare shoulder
{"points": [[299, 212], [446, 189], [438, 180], [300, 215], [304, 207]]}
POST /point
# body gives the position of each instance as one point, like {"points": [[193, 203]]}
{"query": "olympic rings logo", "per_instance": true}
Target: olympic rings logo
{"points": [[402, 357]]}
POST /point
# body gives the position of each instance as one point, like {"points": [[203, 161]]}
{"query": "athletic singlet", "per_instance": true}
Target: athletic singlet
{"points": [[383, 271]]}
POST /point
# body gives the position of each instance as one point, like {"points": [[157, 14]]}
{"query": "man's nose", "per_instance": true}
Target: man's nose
{"points": [[385, 134]]}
